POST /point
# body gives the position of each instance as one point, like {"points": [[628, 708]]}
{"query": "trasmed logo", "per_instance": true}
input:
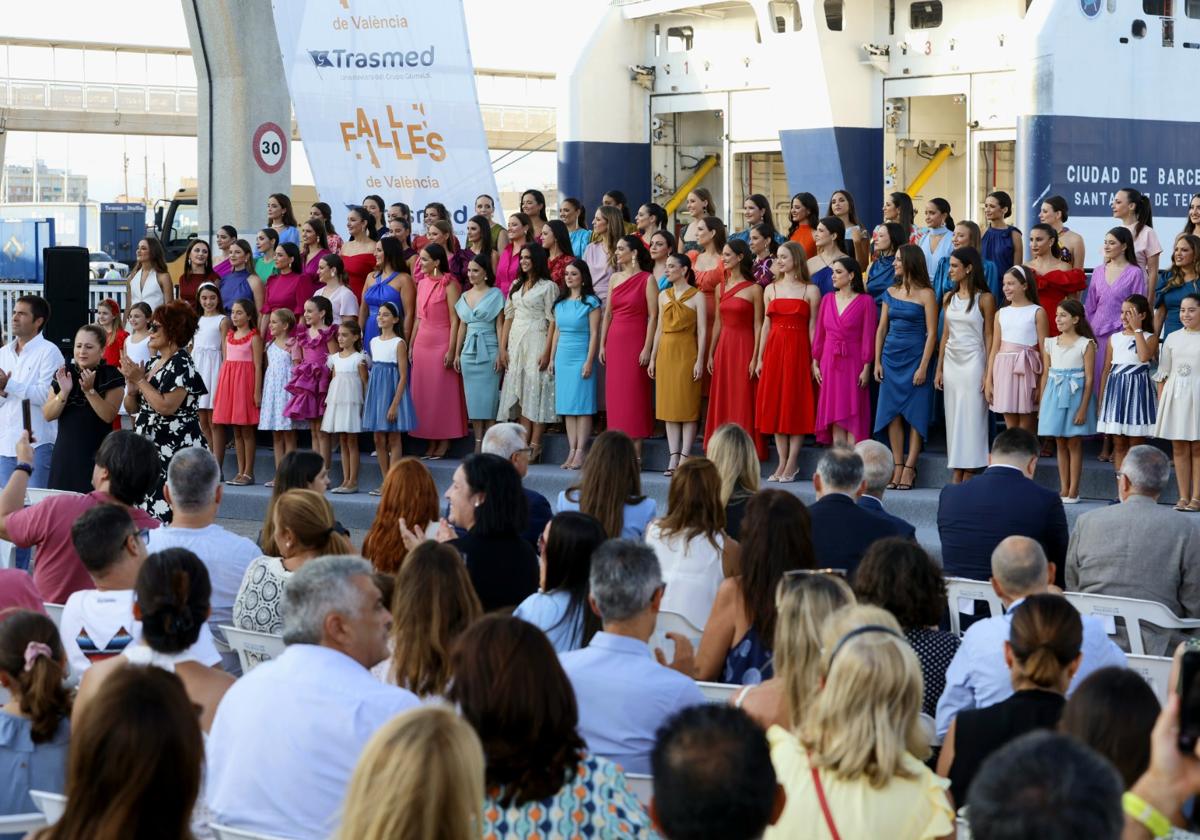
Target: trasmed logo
{"points": [[341, 59]]}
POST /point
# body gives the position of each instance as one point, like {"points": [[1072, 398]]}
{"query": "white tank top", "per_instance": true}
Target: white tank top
{"points": [[144, 288], [1018, 324]]}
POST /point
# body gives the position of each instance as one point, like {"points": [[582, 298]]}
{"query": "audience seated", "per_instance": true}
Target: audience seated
{"points": [[1042, 653], [877, 473], [560, 606], [409, 495], [863, 738], [1002, 501], [173, 601], [693, 550], [842, 531], [732, 452], [737, 641], [419, 778], [610, 488], [1113, 712], [624, 695], [303, 528], [135, 761], [194, 493], [35, 725], [126, 470], [1046, 786], [18, 592], [510, 441], [300, 469], [978, 676], [433, 603], [713, 777], [541, 780], [898, 575], [288, 734], [1139, 550]]}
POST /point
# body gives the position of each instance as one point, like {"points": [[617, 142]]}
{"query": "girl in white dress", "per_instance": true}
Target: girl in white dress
{"points": [[149, 282], [281, 354], [137, 345], [1179, 401], [206, 352], [1127, 402], [344, 401]]}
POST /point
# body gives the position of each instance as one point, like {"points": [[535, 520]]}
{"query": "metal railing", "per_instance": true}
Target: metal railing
{"points": [[9, 292]]}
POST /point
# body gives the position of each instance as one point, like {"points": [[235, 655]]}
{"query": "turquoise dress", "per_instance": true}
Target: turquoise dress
{"points": [[902, 351], [574, 395], [1169, 299], [481, 347]]}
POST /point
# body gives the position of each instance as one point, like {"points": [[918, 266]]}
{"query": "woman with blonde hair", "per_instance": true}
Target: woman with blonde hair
{"points": [[409, 496], [601, 254], [854, 768], [419, 778], [732, 452], [610, 488]]}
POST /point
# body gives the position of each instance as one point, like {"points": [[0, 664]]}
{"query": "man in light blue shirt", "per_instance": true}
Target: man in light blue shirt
{"points": [[978, 676], [624, 694], [287, 736]]}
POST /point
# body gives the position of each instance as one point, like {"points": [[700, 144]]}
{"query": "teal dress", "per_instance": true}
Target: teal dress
{"points": [[574, 395], [1169, 299], [481, 347]]}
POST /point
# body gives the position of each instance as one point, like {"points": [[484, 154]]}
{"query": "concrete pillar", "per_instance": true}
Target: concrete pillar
{"points": [[3, 180], [240, 86]]}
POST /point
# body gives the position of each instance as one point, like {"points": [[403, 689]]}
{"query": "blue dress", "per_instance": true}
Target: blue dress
{"points": [[1170, 299], [235, 286], [1065, 391], [574, 395], [580, 239], [824, 280], [881, 276], [26, 766], [382, 383], [997, 248], [380, 291], [749, 662], [902, 350], [481, 347]]}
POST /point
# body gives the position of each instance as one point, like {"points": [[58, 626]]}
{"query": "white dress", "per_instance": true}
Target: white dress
{"points": [[344, 401], [962, 377], [138, 353], [206, 354], [275, 379], [1179, 405], [144, 288], [691, 569]]}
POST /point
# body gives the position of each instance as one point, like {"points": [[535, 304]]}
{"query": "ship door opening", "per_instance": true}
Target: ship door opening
{"points": [[994, 166], [759, 172], [686, 153], [916, 128]]}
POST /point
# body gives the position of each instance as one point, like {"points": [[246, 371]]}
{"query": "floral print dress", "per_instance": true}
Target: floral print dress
{"points": [[170, 433]]}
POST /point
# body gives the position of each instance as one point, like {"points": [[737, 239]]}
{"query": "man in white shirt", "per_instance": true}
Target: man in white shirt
{"points": [[978, 676], [194, 493], [287, 735]]}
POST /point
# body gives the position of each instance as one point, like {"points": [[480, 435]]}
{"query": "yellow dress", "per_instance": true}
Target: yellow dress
{"points": [[676, 393]]}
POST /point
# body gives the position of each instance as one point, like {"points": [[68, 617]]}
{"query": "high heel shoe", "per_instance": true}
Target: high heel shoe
{"points": [[671, 465], [535, 454], [909, 485], [566, 465], [895, 482]]}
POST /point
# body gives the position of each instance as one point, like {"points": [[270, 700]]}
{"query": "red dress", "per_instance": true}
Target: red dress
{"points": [[787, 403], [1053, 288], [708, 282], [189, 287], [112, 355], [732, 397], [558, 267], [358, 267], [627, 386]]}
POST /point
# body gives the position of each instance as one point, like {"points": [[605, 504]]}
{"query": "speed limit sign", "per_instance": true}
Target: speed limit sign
{"points": [[270, 147]]}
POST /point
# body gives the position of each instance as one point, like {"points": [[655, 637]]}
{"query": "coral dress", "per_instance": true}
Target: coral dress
{"points": [[627, 384], [677, 393], [437, 390], [234, 402], [732, 397], [842, 344], [1054, 287], [358, 266], [310, 376], [708, 282], [787, 400]]}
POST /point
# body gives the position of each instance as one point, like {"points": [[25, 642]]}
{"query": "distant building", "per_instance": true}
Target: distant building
{"points": [[52, 185]]}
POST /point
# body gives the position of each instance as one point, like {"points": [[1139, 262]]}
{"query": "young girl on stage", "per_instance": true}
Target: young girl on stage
{"points": [[388, 408], [207, 349], [1179, 402], [1127, 409], [281, 354], [344, 402], [1014, 363], [1066, 412], [239, 390], [310, 375]]}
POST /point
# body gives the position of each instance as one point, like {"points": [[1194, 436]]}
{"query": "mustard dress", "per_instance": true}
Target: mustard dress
{"points": [[676, 393]]}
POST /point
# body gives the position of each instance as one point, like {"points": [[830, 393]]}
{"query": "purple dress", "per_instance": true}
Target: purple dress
{"points": [[842, 344], [310, 376], [1103, 308]]}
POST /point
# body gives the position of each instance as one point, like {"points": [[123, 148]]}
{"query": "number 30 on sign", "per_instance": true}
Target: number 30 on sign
{"points": [[270, 148]]}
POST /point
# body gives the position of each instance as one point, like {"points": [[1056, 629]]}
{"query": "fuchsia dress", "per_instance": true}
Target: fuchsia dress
{"points": [[627, 387], [437, 390], [1103, 307], [842, 344], [310, 376], [288, 291]]}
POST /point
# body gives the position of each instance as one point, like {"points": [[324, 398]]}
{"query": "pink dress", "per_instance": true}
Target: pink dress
{"points": [[842, 344], [310, 376], [437, 390], [288, 291], [313, 266], [234, 401], [627, 386], [507, 268], [1103, 307]]}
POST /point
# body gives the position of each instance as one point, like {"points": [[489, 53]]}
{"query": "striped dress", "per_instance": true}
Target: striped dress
{"points": [[1129, 405]]}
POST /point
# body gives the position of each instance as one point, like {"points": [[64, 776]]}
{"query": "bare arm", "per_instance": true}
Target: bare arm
{"points": [[256, 350], [651, 321], [650, 369], [452, 295], [605, 322], [408, 297], [712, 341], [756, 297]]}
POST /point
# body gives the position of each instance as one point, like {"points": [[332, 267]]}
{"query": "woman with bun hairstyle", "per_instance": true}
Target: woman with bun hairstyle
{"points": [[1132, 208], [1001, 244], [1054, 212]]}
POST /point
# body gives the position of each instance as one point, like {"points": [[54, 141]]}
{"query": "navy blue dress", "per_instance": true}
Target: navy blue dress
{"points": [[902, 351], [997, 247]]}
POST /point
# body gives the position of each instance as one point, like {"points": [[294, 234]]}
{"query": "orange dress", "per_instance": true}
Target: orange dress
{"points": [[804, 235], [707, 282], [1055, 286], [787, 403], [732, 398]]}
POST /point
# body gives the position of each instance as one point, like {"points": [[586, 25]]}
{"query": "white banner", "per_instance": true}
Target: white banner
{"points": [[384, 93]]}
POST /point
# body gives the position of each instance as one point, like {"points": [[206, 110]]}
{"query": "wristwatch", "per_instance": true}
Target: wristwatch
{"points": [[25, 468]]}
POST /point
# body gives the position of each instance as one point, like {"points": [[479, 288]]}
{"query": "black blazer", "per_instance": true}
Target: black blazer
{"points": [[872, 504], [503, 568], [842, 531], [973, 517], [539, 514]]}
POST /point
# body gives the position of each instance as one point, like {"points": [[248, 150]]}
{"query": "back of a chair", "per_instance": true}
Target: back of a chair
{"points": [[669, 622], [55, 612], [641, 785], [19, 824], [253, 648], [715, 692], [7, 554], [33, 495], [1155, 670], [1133, 612], [51, 805], [224, 832], [962, 594]]}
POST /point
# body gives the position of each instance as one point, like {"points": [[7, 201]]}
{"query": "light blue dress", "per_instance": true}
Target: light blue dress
{"points": [[546, 610], [574, 395], [1065, 391], [580, 239], [481, 347], [382, 383], [637, 516], [902, 351], [26, 766]]}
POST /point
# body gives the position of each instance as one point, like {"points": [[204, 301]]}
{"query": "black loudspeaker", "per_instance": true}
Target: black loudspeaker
{"points": [[66, 290]]}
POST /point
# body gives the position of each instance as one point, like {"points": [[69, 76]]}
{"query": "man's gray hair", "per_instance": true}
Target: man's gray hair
{"points": [[320, 587], [877, 465], [504, 439], [1020, 566], [841, 470], [624, 577], [1147, 469], [192, 476]]}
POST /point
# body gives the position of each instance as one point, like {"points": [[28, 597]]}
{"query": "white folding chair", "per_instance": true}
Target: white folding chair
{"points": [[1155, 670], [55, 612], [715, 692], [641, 785], [51, 805], [252, 648], [962, 593], [1133, 612], [929, 727], [669, 622], [224, 832], [33, 495], [19, 824], [7, 554]]}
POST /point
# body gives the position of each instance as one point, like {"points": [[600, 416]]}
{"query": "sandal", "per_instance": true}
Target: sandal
{"points": [[1182, 506], [672, 463], [376, 492], [535, 457], [270, 483], [894, 483], [566, 465], [1193, 506], [902, 485]]}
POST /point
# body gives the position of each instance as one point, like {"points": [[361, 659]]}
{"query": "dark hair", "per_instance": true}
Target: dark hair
{"points": [[247, 249], [174, 594], [97, 332], [621, 201], [366, 217], [334, 262], [641, 254], [393, 254], [355, 330], [1055, 248], [856, 275], [1122, 235], [898, 575], [852, 213], [187, 257], [438, 208], [562, 236], [40, 690], [323, 303], [685, 263], [659, 215], [713, 775], [437, 253], [289, 217], [485, 236], [1075, 309], [916, 272], [720, 237], [318, 227], [326, 216], [1142, 210], [144, 308], [611, 480], [768, 233], [208, 287], [837, 229], [908, 213], [230, 231], [484, 262], [526, 224], [539, 198], [1048, 786], [896, 236], [976, 277], [99, 535], [705, 195], [379, 202], [669, 238], [38, 307], [539, 267], [1113, 712], [1027, 278], [776, 537], [586, 288], [249, 308], [1059, 205], [1004, 200], [132, 464], [745, 257], [572, 539], [1046, 635], [509, 685], [809, 202], [270, 233], [504, 509], [1016, 441], [158, 254], [943, 207], [293, 252], [298, 469], [1142, 305]]}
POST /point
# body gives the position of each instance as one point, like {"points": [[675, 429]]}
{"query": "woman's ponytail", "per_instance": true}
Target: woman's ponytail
{"points": [[31, 653]]}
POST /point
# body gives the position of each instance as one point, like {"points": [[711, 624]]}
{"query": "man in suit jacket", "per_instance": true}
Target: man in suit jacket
{"points": [[877, 472], [841, 530], [1003, 501], [1139, 550]]}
